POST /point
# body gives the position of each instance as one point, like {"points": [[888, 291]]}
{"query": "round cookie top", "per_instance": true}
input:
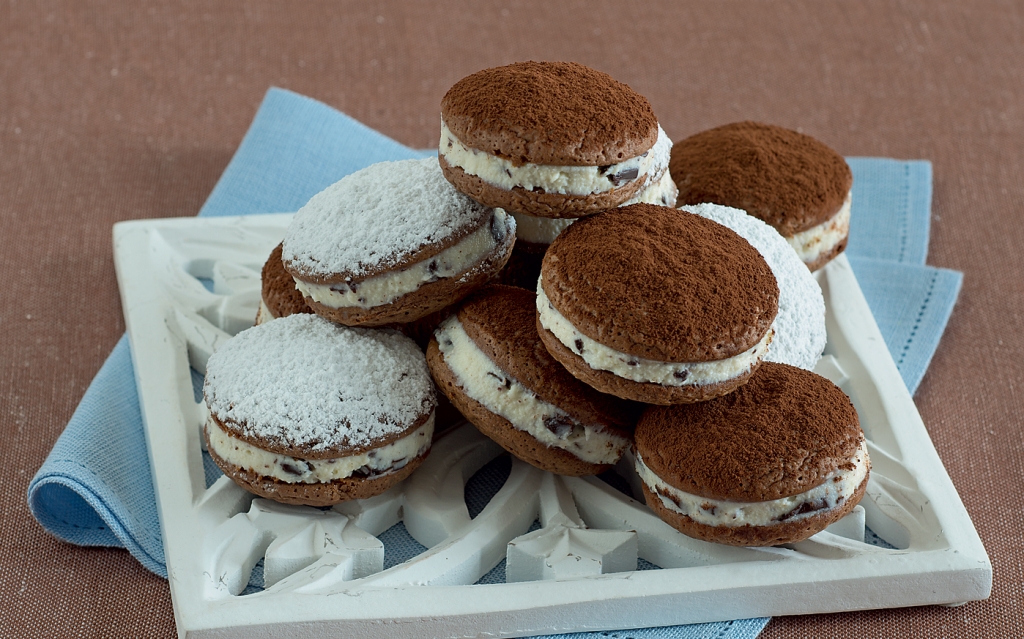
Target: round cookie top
{"points": [[782, 433], [304, 386], [383, 217], [788, 179], [800, 335], [661, 284], [556, 113], [502, 322]]}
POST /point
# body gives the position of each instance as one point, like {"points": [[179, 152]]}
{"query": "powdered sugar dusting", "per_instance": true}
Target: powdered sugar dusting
{"points": [[800, 324], [304, 382], [375, 218]]}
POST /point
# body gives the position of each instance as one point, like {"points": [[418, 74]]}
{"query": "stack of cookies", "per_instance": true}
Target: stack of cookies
{"points": [[685, 335]]}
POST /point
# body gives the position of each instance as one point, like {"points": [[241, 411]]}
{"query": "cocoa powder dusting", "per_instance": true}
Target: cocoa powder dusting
{"points": [[560, 113], [782, 433], [787, 179], [661, 284]]}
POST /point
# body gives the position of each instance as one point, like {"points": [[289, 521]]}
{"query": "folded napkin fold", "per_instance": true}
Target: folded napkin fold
{"points": [[94, 488]]}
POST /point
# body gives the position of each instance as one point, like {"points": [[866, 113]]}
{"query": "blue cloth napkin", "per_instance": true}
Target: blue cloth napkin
{"points": [[95, 489]]}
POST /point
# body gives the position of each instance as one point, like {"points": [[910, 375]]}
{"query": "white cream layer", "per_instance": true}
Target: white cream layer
{"points": [[818, 240], [263, 315], [293, 470], [638, 369], [663, 192], [566, 180], [544, 230], [501, 394], [837, 487], [387, 287]]}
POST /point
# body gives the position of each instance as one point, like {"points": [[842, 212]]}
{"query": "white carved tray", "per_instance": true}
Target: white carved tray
{"points": [[323, 569]]}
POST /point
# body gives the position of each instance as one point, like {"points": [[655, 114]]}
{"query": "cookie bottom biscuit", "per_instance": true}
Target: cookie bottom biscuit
{"points": [[539, 203], [318, 494], [430, 298], [770, 535], [827, 257]]}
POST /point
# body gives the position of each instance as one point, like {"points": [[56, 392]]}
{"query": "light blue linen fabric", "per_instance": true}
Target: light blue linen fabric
{"points": [[95, 488]]}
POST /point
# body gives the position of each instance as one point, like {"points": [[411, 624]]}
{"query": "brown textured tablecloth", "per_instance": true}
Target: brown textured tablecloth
{"points": [[113, 111]]}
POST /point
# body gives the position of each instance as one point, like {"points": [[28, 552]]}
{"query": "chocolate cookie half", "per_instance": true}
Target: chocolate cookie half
{"points": [[393, 242], [550, 139], [488, 360], [789, 180], [278, 295], [305, 411], [656, 305], [774, 462]]}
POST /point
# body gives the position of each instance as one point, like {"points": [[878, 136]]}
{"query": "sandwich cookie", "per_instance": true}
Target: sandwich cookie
{"points": [[800, 325], [393, 242], [278, 295], [550, 139], [790, 180], [488, 360], [774, 462], [305, 411], [656, 305], [280, 298]]}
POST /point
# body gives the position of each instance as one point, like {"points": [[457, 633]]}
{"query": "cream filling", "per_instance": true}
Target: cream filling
{"points": [[818, 240], [637, 369], [387, 287], [263, 314], [664, 192], [837, 487], [566, 180], [540, 230], [544, 230], [501, 394], [294, 470]]}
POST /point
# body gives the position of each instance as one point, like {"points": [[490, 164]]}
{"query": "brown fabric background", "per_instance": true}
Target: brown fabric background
{"points": [[112, 111]]}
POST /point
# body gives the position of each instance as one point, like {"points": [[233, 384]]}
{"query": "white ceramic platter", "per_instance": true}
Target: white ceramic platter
{"points": [[573, 546]]}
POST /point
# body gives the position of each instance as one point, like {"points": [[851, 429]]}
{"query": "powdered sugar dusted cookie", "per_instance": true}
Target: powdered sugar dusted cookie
{"points": [[305, 411], [392, 243], [656, 305], [488, 359], [550, 139], [788, 179], [776, 461], [800, 325]]}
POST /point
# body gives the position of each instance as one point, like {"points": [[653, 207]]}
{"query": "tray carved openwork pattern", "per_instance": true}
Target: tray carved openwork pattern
{"points": [[576, 553]]}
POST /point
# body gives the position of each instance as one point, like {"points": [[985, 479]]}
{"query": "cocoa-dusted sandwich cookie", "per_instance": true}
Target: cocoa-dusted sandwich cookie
{"points": [[488, 360], [278, 295], [774, 462], [656, 305], [392, 243], [305, 411], [550, 139], [787, 179]]}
